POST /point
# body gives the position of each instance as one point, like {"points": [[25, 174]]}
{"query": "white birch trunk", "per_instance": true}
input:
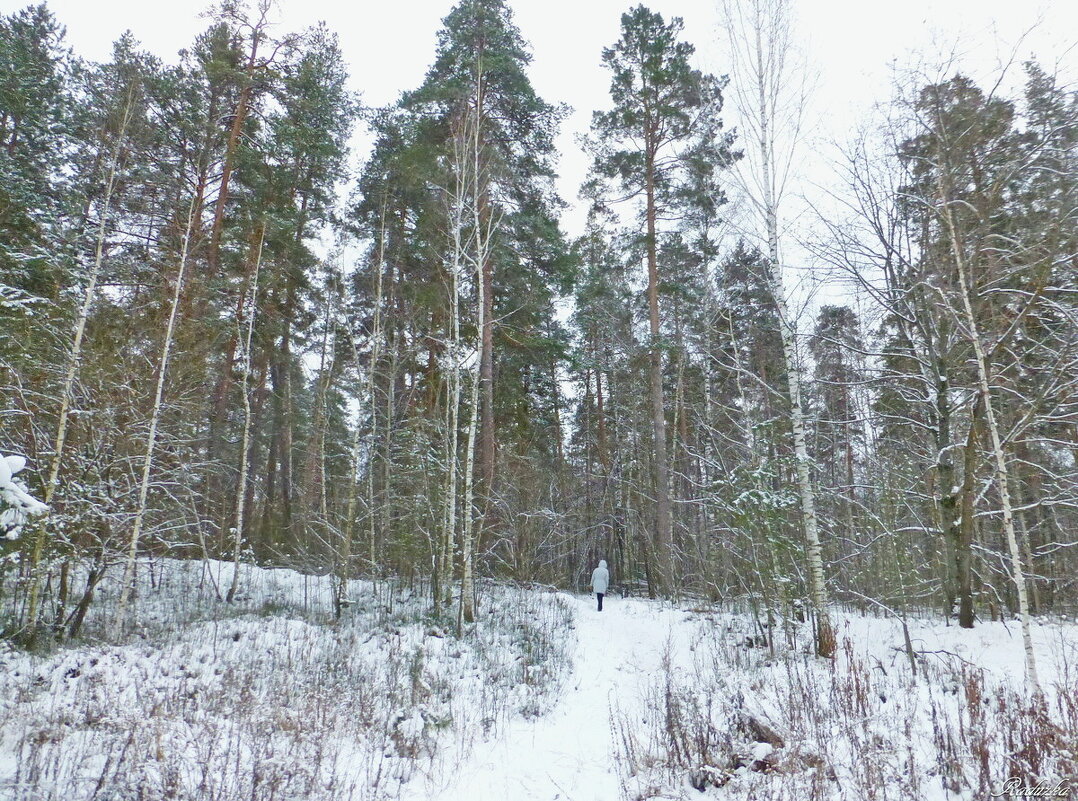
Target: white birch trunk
{"points": [[482, 242], [759, 38], [1002, 477], [245, 440], [315, 469], [372, 396], [344, 556], [452, 419], [155, 417], [467, 607], [825, 637], [74, 362]]}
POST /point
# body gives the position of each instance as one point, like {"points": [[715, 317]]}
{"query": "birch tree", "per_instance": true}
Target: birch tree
{"points": [[155, 416], [770, 104], [377, 337], [456, 195], [245, 438], [999, 456], [130, 98], [966, 161], [483, 226], [365, 412]]}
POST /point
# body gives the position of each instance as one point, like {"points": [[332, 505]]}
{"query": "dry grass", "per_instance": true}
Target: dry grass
{"points": [[794, 726], [272, 701]]}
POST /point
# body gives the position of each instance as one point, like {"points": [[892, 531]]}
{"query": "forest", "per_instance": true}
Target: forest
{"points": [[234, 346]]}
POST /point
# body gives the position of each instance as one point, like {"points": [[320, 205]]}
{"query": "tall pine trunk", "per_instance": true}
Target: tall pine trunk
{"points": [[664, 540]]}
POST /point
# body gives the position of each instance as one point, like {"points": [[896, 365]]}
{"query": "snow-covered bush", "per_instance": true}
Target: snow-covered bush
{"points": [[17, 505], [225, 701], [864, 726]]}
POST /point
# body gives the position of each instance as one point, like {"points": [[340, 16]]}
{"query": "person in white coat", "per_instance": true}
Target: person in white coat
{"points": [[600, 580]]}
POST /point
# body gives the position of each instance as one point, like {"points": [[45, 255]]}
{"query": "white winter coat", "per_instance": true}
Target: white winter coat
{"points": [[600, 578]]}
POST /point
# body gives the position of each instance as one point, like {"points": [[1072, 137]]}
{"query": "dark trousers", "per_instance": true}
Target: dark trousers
{"points": [[599, 595]]}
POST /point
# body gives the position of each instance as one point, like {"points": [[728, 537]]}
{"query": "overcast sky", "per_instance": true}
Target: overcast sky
{"points": [[854, 45], [389, 43]]}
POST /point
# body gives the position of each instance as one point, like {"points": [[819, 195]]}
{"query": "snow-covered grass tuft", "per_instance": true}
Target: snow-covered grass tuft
{"points": [[740, 723], [269, 698]]}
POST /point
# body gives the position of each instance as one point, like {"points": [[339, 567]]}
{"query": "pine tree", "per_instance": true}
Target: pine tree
{"points": [[33, 126], [35, 143], [481, 64], [661, 134], [478, 82]]}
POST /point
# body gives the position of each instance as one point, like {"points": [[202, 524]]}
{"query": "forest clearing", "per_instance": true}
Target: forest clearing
{"points": [[377, 424]]}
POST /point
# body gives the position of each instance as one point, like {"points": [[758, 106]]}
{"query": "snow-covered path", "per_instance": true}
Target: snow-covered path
{"points": [[567, 754]]}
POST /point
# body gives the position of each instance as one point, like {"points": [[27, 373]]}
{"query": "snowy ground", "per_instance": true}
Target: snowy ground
{"points": [[269, 698], [661, 698], [545, 698], [740, 723], [569, 752]]}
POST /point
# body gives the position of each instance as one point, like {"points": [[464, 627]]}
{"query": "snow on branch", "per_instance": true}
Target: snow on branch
{"points": [[17, 504]]}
